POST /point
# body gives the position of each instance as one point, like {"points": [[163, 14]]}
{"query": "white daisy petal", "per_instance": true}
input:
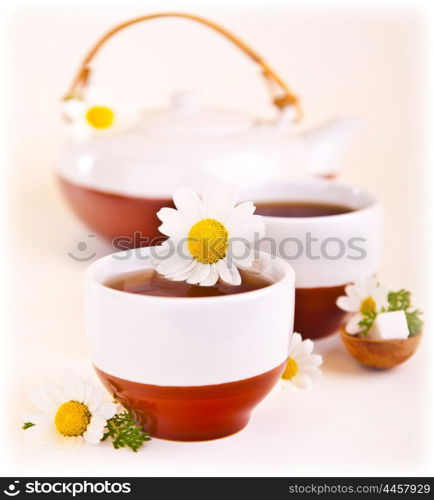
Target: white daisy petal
{"points": [[36, 417], [188, 203], [252, 230], [184, 275], [67, 442], [302, 381], [220, 200], [188, 265], [161, 251], [42, 401], [295, 342], [240, 214], [354, 293], [88, 390], [380, 295], [212, 277], [246, 261], [168, 213], [352, 327], [313, 360], [303, 350], [55, 393], [236, 276], [93, 437], [174, 224], [74, 109], [173, 265], [95, 430], [369, 283], [241, 254], [74, 386], [96, 399], [201, 271], [186, 270], [41, 434], [106, 410], [224, 272], [347, 304], [96, 422], [362, 287], [312, 372], [228, 198]]}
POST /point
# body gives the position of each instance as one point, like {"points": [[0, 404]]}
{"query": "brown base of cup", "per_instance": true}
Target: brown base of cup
{"points": [[192, 413], [126, 221], [316, 313]]}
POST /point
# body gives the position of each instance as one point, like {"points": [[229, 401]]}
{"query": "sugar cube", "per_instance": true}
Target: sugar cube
{"points": [[389, 325]]}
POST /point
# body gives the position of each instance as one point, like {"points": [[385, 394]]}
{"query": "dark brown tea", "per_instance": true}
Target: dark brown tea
{"points": [[149, 282], [300, 209]]}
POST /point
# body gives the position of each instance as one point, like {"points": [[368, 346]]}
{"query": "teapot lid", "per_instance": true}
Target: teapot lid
{"points": [[188, 116]]}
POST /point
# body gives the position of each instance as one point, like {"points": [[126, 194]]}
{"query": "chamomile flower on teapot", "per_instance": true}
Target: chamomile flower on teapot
{"points": [[209, 238], [364, 297], [88, 116]]}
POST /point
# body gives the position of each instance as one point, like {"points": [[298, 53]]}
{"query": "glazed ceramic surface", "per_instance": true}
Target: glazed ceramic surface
{"points": [[126, 221], [190, 142], [132, 171], [156, 344], [327, 252]]}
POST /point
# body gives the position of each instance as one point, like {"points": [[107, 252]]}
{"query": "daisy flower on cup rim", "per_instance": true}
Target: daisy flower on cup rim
{"points": [[69, 415], [365, 296], [302, 366], [209, 238]]}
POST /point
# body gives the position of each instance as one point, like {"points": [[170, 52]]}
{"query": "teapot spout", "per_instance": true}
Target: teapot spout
{"points": [[326, 145]]}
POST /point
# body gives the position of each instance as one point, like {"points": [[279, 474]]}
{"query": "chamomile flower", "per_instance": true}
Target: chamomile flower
{"points": [[209, 238], [302, 366], [87, 117], [363, 297], [70, 415]]}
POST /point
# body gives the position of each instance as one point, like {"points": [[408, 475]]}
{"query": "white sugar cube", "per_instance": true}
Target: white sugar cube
{"points": [[389, 325]]}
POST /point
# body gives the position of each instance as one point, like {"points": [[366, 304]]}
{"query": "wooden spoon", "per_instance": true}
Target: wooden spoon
{"points": [[380, 354]]}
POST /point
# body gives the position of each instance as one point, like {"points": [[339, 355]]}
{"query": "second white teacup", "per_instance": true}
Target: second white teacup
{"points": [[327, 252]]}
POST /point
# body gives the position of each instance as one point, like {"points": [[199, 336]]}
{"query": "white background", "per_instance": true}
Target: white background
{"points": [[342, 59]]}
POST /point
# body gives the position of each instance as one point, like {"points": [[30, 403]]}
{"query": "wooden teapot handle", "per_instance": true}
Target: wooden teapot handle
{"points": [[281, 97]]}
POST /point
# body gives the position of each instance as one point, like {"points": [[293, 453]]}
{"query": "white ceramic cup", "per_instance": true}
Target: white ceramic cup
{"points": [[326, 252], [150, 350]]}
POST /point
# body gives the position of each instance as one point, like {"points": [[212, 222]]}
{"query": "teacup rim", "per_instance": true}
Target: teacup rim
{"points": [[288, 277], [375, 204]]}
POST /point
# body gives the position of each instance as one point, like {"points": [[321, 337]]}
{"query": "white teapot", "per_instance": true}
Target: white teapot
{"points": [[117, 180]]}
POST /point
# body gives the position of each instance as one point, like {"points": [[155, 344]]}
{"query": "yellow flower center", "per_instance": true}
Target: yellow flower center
{"points": [[100, 117], [208, 241], [290, 370], [368, 305], [72, 418]]}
